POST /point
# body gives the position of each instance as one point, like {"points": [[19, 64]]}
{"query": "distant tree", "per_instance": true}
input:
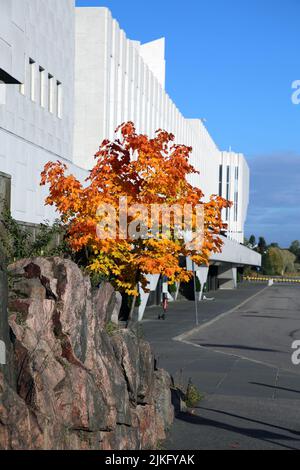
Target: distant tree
{"points": [[262, 245], [274, 245], [289, 259], [273, 262], [295, 249], [252, 241], [278, 262]]}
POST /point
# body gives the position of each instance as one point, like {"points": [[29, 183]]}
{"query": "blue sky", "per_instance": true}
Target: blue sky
{"points": [[232, 62]]}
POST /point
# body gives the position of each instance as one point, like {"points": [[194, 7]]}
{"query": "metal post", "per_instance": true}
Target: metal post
{"points": [[195, 293]]}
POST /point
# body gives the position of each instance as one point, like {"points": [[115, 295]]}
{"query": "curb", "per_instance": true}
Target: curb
{"points": [[183, 336]]}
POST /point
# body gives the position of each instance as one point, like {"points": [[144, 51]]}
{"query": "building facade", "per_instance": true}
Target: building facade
{"points": [[37, 115], [118, 80], [234, 186], [68, 77]]}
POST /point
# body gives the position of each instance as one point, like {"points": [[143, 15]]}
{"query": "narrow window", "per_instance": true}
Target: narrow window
{"points": [[32, 66], [42, 86], [59, 99], [227, 189], [220, 179], [236, 194], [50, 93], [236, 206]]}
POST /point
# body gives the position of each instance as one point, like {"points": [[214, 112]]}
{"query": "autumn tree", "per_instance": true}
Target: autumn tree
{"points": [[149, 172]]}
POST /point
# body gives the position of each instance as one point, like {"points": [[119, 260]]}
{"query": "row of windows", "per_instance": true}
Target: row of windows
{"points": [[236, 193], [236, 178], [44, 89], [227, 190]]}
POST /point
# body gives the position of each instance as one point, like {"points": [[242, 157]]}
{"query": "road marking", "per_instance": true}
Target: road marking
{"points": [[189, 333], [225, 353], [182, 338]]}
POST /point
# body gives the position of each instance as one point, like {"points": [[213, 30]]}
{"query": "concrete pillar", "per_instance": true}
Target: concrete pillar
{"points": [[202, 273], [227, 276], [152, 283]]}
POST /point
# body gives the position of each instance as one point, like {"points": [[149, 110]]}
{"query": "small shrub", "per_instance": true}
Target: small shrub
{"points": [[111, 328], [193, 396], [160, 446], [18, 242]]}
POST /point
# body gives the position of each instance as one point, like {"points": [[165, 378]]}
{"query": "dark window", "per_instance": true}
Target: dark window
{"points": [[227, 189], [236, 194], [220, 179]]}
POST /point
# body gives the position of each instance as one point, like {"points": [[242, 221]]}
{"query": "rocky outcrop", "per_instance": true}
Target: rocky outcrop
{"points": [[80, 383]]}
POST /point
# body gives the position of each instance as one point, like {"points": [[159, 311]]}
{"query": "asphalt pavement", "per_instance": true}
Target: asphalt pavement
{"points": [[239, 357]]}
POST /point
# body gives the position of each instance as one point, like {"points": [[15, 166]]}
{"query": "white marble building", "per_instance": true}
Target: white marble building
{"points": [[71, 76], [234, 186], [37, 49], [117, 80]]}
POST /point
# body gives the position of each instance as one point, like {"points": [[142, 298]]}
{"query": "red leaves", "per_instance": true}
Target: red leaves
{"points": [[146, 171]]}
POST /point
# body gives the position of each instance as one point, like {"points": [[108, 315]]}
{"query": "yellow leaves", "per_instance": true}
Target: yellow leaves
{"points": [[146, 171]]}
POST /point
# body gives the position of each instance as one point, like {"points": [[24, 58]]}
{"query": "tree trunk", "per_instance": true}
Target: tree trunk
{"points": [[131, 311]]}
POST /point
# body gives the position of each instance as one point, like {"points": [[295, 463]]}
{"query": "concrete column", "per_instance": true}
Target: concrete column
{"points": [[152, 283], [227, 276], [202, 274]]}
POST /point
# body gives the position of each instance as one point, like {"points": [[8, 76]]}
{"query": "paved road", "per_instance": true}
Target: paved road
{"points": [[242, 363]]}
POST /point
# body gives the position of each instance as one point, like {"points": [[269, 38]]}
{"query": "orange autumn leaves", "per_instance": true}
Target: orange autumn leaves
{"points": [[148, 172]]}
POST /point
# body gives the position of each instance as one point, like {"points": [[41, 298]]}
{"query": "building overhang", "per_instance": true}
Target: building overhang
{"points": [[234, 252]]}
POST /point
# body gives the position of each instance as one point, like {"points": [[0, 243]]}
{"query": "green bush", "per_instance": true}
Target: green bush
{"points": [[193, 396], [18, 242], [277, 261], [111, 328]]}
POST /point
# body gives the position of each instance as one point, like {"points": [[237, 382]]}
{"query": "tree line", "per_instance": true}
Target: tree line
{"points": [[276, 260]]}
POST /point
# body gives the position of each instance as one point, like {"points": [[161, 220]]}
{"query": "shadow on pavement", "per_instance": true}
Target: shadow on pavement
{"points": [[275, 387], [260, 434], [297, 433], [237, 346]]}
